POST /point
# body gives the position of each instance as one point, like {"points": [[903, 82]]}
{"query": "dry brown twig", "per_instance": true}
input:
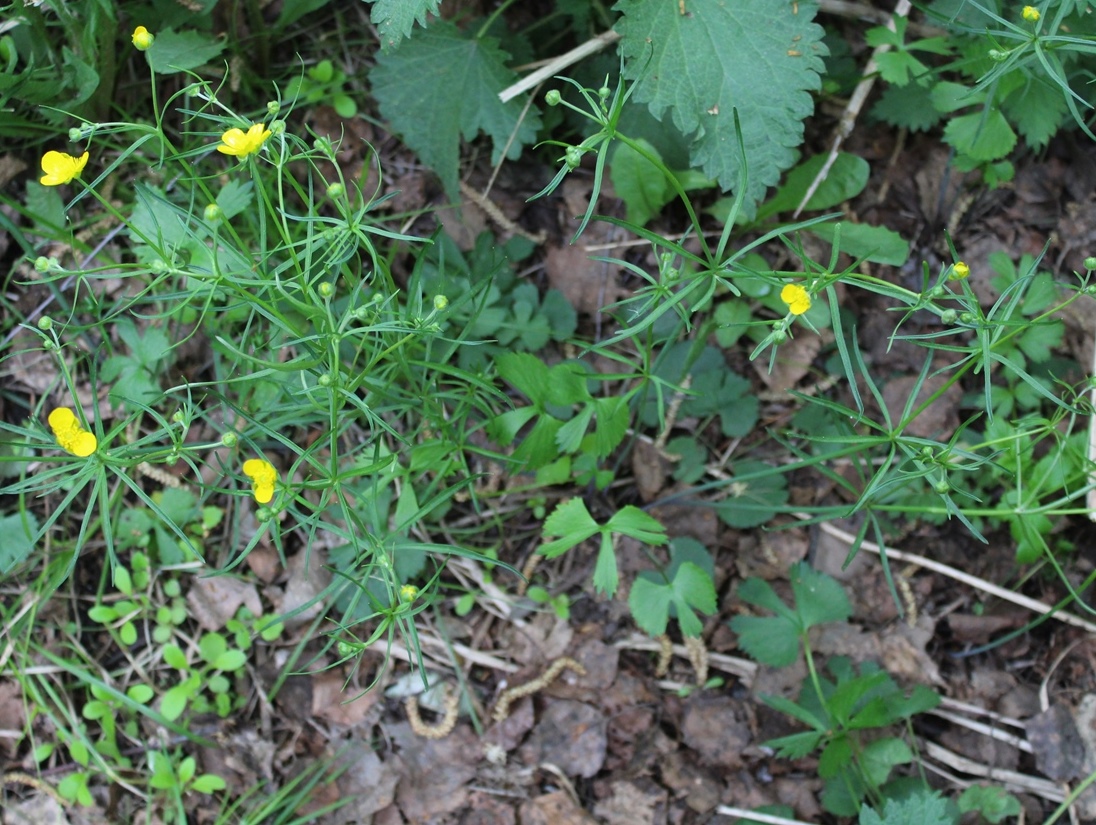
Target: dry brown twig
{"points": [[975, 582], [852, 110]]}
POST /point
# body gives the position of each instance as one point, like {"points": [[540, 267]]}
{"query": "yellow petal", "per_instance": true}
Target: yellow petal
{"points": [[230, 142], [84, 444], [61, 419]]}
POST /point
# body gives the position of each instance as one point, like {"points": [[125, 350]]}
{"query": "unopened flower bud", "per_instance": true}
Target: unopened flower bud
{"points": [[440, 302], [45, 323], [229, 439], [553, 97], [326, 290], [142, 38]]}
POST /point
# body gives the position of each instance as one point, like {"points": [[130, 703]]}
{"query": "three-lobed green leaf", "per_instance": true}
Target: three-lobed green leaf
{"points": [[774, 640]]}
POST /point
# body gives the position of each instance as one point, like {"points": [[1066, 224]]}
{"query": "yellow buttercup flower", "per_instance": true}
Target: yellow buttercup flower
{"points": [[1031, 14], [796, 297], [263, 476], [241, 144], [959, 271], [142, 38], [61, 168], [71, 437]]}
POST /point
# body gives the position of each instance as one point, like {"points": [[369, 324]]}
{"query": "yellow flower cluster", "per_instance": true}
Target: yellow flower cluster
{"points": [[1031, 14], [240, 143], [61, 168], [796, 297], [263, 477], [71, 437]]}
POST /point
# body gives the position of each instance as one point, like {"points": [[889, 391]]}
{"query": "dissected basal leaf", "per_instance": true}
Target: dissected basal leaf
{"points": [[757, 56], [442, 84], [394, 18]]}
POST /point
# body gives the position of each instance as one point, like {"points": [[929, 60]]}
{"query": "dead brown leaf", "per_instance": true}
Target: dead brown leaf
{"points": [[215, 600], [716, 728], [571, 736], [332, 701], [793, 362], [12, 717], [433, 772], [554, 809], [639, 802], [368, 782]]}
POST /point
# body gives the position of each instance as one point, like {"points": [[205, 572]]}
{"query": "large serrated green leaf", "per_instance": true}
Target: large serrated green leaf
{"points": [[395, 18], [757, 56], [175, 52], [441, 85]]}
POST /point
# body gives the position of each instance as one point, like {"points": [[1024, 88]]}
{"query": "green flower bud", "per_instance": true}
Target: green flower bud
{"points": [[938, 291], [277, 127], [440, 302], [326, 289], [325, 380], [43, 264], [949, 317], [229, 439], [75, 134], [998, 56], [178, 417], [45, 323], [336, 191], [1090, 263], [213, 213], [572, 157], [273, 107], [942, 487], [604, 92], [779, 336], [553, 97], [966, 317]]}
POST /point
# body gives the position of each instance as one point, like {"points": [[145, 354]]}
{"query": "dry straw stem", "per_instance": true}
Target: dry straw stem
{"points": [[959, 575], [753, 816], [558, 64], [852, 110], [1011, 780]]}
